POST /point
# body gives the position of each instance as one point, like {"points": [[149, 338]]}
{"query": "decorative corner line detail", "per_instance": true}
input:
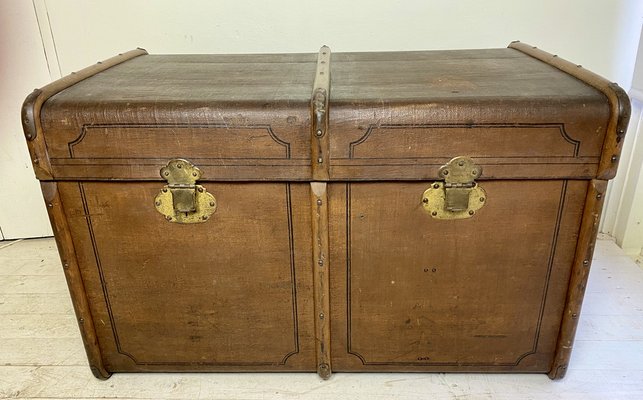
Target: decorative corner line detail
{"points": [[86, 127], [372, 127]]}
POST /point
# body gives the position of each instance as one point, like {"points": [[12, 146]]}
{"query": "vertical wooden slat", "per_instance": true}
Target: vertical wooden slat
{"points": [[320, 146], [579, 275], [319, 142], [74, 279], [319, 200]]}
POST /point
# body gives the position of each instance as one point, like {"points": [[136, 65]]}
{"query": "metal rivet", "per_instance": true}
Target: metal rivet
{"points": [[36, 161], [212, 204], [321, 315], [474, 172], [49, 205], [445, 172], [425, 200], [555, 55], [65, 265], [614, 158], [436, 185], [320, 263], [194, 173], [461, 163], [81, 320], [481, 199], [585, 262], [579, 66], [320, 160], [433, 269], [434, 213], [471, 212], [167, 217], [574, 315], [621, 131], [599, 195], [319, 202], [158, 203], [164, 190], [179, 165], [200, 190], [319, 132], [426, 270], [204, 217], [166, 173]]}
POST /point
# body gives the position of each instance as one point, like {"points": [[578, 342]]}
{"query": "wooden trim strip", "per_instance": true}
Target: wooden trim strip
{"points": [[75, 283], [321, 283], [618, 100], [579, 275], [32, 106], [319, 140]]}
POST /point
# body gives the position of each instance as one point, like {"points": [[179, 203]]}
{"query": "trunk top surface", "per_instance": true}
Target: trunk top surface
{"points": [[392, 116], [458, 76], [168, 81], [366, 79]]}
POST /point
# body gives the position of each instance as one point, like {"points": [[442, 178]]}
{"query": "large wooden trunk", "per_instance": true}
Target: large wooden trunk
{"points": [[402, 211]]}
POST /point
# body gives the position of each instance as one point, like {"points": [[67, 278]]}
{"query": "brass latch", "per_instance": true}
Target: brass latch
{"points": [[459, 196], [182, 200]]}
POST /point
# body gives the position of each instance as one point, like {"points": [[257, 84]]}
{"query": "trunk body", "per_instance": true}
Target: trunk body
{"points": [[409, 211]]}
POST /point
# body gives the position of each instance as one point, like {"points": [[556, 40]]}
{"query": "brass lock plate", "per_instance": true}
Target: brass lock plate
{"points": [[458, 196], [182, 200]]}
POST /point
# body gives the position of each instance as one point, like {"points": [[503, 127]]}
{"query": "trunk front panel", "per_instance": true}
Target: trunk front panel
{"points": [[410, 292], [234, 292]]}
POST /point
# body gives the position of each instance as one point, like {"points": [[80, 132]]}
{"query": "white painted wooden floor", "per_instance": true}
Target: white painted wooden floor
{"points": [[42, 357]]}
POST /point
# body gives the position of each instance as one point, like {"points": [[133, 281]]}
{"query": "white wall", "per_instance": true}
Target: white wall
{"points": [[623, 217], [22, 68], [600, 34], [597, 34]]}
